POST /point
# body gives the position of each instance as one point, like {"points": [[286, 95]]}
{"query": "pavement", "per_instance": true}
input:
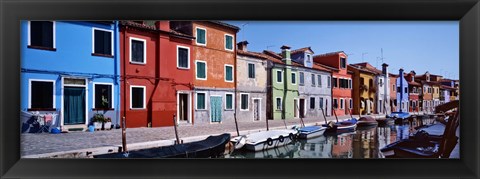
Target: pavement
{"points": [[86, 144]]}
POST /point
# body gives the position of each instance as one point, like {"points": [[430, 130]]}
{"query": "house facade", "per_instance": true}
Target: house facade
{"points": [[251, 93], [414, 89], [393, 92], [70, 69], [341, 80], [362, 96], [214, 56], [426, 95], [383, 91], [314, 87], [402, 93]]}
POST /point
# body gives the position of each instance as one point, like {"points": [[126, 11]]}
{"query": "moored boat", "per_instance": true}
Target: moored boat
{"points": [[366, 121], [264, 140], [399, 117], [340, 127], [310, 131], [211, 147]]}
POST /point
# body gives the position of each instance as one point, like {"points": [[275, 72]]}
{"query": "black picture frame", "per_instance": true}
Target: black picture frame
{"points": [[467, 12]]}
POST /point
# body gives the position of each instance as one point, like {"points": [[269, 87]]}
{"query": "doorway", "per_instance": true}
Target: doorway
{"points": [[74, 107], [295, 108], [215, 108], [256, 109], [302, 108], [183, 107]]}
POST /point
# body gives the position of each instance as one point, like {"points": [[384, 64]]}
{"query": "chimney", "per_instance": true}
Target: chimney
{"points": [[286, 54], [242, 46], [163, 25], [384, 69], [400, 72]]}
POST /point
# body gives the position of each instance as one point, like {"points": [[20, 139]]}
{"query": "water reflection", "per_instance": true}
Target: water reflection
{"points": [[363, 143]]}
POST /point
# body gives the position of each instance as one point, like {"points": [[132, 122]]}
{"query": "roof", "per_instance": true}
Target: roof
{"points": [[251, 54], [413, 83], [272, 56], [329, 54], [226, 25], [447, 87], [369, 67], [154, 28], [320, 67], [362, 69], [301, 50], [326, 67]]}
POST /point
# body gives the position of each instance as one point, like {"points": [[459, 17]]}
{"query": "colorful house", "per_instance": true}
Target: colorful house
{"points": [[341, 80], [71, 69], [251, 85], [362, 94], [314, 87], [378, 86], [393, 91], [414, 89], [449, 90], [426, 96], [282, 92], [214, 56], [402, 92]]}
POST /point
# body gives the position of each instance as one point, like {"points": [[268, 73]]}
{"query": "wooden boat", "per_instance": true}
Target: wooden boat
{"points": [[310, 132], [340, 127], [366, 121], [264, 140], [385, 121], [421, 146], [211, 147], [399, 117]]}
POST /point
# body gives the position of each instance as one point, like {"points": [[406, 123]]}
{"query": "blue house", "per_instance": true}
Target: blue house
{"points": [[70, 68], [402, 92]]}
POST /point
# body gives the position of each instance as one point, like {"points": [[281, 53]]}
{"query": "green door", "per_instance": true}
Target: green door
{"points": [[74, 105], [216, 108]]}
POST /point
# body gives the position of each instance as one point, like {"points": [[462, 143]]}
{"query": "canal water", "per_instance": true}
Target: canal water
{"points": [[362, 143]]}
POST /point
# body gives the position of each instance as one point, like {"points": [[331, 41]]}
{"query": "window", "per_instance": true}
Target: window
{"points": [[201, 36], [42, 34], [381, 82], [137, 97], [399, 89], [341, 103], [343, 62], [302, 79], [103, 97], [243, 102], [228, 73], [335, 103], [319, 78], [229, 42], [201, 103], [406, 90], [312, 103], [42, 94], [351, 103], [393, 87], [344, 83], [313, 79], [329, 82], [102, 42], [183, 57], [279, 76], [279, 103], [251, 70], [350, 83], [138, 51], [229, 101], [201, 70], [294, 78], [334, 82], [321, 103]]}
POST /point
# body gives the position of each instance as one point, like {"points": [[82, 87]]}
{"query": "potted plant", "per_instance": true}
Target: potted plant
{"points": [[98, 120], [108, 123]]}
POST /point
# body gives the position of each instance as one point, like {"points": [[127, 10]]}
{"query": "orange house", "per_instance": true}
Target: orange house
{"points": [[341, 80]]}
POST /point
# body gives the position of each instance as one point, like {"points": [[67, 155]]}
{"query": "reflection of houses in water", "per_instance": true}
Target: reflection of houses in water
{"points": [[365, 144], [342, 145], [385, 136], [402, 132], [318, 147]]}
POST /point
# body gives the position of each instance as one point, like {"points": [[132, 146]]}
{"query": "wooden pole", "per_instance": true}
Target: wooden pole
{"points": [[175, 127], [124, 135], [350, 112], [323, 113], [334, 113]]}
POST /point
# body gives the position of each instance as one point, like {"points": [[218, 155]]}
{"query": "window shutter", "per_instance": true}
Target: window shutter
{"points": [[201, 70], [200, 101], [229, 101], [228, 43], [201, 36]]}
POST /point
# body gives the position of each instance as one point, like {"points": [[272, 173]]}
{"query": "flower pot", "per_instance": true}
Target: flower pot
{"points": [[107, 125], [97, 125]]}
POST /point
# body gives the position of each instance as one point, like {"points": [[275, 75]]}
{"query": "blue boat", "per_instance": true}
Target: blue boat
{"points": [[343, 126], [311, 132]]}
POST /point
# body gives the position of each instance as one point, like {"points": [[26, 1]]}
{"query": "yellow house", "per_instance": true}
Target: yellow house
{"points": [[364, 90]]}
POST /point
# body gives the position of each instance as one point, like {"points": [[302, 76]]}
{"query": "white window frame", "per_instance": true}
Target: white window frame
{"points": [[313, 80], [281, 104], [320, 104], [196, 68], [144, 96], [233, 101], [30, 91], [319, 80], [248, 101], [144, 50], [301, 84], [276, 76], [188, 57], [329, 82], [196, 42], [225, 42], [254, 70], [295, 78], [102, 83], [54, 34], [205, 101], [225, 73], [111, 39]]}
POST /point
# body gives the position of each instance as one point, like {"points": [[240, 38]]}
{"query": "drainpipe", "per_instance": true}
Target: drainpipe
{"points": [[124, 76], [117, 67], [401, 88], [235, 86]]}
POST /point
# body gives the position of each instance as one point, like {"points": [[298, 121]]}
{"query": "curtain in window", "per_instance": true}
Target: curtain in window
{"points": [[74, 105], [201, 70]]}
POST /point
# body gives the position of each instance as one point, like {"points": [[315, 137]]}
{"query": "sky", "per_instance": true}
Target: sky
{"points": [[421, 46]]}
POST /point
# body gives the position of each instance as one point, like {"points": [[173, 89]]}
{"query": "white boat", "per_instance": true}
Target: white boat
{"points": [[265, 139], [311, 132]]}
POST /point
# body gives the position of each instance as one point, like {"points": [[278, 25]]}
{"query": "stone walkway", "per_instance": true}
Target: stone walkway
{"points": [[45, 144]]}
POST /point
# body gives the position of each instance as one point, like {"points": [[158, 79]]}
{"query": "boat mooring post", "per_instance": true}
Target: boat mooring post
{"points": [[350, 112], [175, 127], [124, 135], [335, 114]]}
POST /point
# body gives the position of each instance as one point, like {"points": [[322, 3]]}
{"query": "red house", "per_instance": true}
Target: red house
{"points": [[414, 89], [341, 80], [151, 85]]}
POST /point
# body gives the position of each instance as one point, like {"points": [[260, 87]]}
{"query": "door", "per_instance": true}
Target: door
{"points": [[256, 110], [183, 107], [368, 106], [302, 108], [295, 108], [216, 108], [74, 105]]}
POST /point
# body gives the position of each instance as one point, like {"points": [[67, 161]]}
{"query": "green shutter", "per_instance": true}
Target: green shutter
{"points": [[200, 101], [201, 36], [201, 70], [229, 74], [228, 42], [229, 101]]}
